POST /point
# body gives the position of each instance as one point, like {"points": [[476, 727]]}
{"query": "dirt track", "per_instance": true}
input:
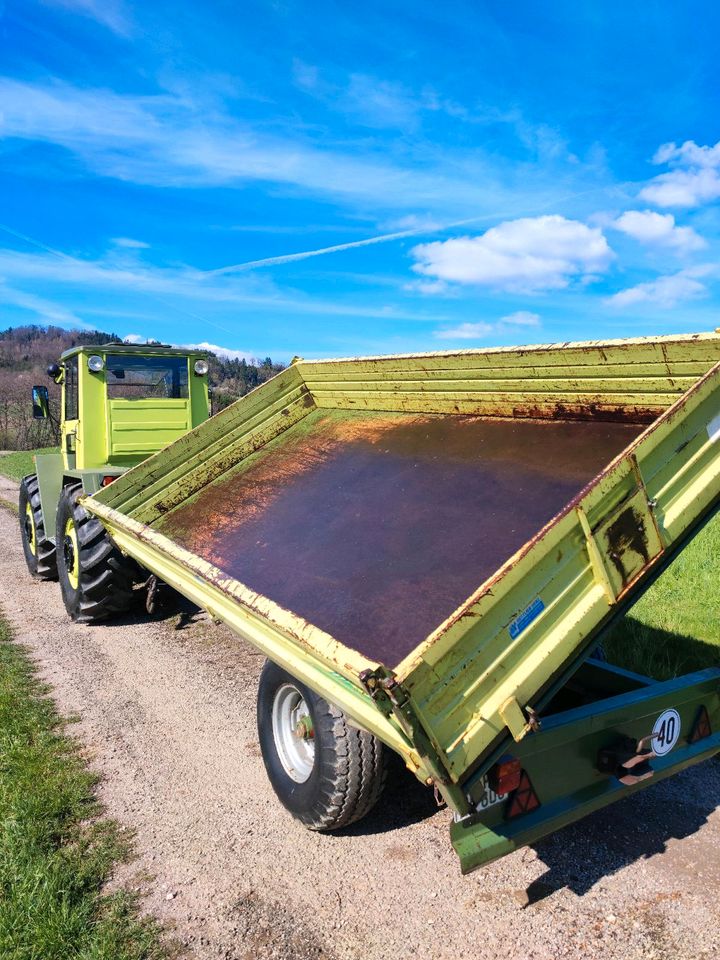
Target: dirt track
{"points": [[167, 716]]}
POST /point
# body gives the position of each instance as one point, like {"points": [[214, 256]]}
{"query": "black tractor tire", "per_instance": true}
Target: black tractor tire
{"points": [[96, 579], [39, 551], [348, 766]]}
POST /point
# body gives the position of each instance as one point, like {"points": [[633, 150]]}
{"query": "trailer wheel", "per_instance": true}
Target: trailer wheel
{"points": [[96, 579], [325, 772], [39, 551]]}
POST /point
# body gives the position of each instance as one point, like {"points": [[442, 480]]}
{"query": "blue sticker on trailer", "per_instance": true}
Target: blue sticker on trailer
{"points": [[526, 618]]}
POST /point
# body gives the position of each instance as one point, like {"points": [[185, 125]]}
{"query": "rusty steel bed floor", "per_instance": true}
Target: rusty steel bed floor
{"points": [[375, 527]]}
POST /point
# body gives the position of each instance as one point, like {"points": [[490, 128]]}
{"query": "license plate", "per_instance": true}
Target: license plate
{"points": [[489, 797]]}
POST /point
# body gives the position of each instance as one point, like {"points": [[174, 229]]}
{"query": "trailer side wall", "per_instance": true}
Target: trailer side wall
{"points": [[633, 380]]}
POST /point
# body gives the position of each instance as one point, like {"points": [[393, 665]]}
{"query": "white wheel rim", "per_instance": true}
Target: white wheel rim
{"points": [[293, 733]]}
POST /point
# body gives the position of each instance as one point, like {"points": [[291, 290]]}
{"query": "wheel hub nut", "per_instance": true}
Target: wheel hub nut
{"points": [[304, 728]]}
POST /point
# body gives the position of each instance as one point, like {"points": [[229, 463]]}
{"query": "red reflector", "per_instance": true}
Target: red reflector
{"points": [[701, 727], [524, 799], [505, 776], [106, 481]]}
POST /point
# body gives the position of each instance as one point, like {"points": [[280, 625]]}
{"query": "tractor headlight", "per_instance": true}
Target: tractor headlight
{"points": [[95, 363], [201, 367]]}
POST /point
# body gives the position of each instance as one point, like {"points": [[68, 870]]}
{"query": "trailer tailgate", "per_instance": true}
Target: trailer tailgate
{"points": [[574, 764]]}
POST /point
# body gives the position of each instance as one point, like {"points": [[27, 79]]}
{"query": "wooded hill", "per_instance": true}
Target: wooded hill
{"points": [[25, 353]]}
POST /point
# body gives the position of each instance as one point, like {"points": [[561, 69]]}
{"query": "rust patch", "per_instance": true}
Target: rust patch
{"points": [[596, 411], [376, 527], [627, 533]]}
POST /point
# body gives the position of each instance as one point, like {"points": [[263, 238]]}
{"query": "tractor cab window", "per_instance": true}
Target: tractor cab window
{"points": [[71, 388], [146, 377]]}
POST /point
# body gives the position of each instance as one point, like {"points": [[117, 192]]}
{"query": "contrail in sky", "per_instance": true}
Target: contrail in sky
{"points": [[304, 254], [36, 243], [387, 237]]}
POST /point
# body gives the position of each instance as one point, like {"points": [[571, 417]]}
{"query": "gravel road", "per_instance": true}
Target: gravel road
{"points": [[167, 716], [9, 490]]}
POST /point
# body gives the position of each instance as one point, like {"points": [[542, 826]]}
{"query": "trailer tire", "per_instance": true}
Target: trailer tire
{"points": [[39, 552], [96, 579], [337, 771]]}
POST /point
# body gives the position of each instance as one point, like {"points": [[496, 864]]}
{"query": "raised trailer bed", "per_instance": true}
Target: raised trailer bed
{"points": [[432, 545]]}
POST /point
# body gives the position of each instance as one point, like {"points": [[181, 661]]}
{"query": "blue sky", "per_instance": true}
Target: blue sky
{"points": [[335, 179]]}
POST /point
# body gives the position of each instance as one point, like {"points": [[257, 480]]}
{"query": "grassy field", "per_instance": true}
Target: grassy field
{"points": [[56, 850], [675, 627], [19, 464]]}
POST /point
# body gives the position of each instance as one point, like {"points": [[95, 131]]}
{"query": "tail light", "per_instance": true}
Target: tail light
{"points": [[524, 799], [701, 727], [505, 776], [106, 481]]}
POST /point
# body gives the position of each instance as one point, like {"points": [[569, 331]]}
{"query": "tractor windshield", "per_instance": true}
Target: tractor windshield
{"points": [[146, 377]]}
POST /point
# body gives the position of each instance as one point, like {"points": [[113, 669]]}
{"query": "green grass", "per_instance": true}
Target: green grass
{"points": [[56, 850], [675, 627], [19, 464]]}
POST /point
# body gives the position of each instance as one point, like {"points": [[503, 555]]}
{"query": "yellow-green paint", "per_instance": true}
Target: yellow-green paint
{"points": [[30, 529], [461, 678], [137, 428], [199, 458], [72, 553], [123, 432], [306, 652]]}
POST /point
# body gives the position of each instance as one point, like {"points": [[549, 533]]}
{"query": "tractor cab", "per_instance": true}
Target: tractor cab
{"points": [[120, 403]]}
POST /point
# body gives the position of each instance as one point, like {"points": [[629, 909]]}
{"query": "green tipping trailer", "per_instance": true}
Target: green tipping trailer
{"points": [[427, 548]]}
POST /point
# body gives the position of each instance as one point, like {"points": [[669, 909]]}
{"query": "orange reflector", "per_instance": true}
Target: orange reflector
{"points": [[524, 799], [701, 727], [504, 777], [106, 481]]}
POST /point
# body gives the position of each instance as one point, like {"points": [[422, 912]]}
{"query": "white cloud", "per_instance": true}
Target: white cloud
{"points": [[370, 101], [522, 318], [109, 13], [481, 329], [466, 331], [170, 140], [176, 286], [689, 153], [129, 243], [526, 255], [225, 352], [665, 291], [307, 76], [43, 310], [659, 229], [694, 179], [427, 287], [376, 103]]}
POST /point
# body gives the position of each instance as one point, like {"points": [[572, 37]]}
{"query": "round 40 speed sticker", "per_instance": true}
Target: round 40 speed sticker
{"points": [[666, 732]]}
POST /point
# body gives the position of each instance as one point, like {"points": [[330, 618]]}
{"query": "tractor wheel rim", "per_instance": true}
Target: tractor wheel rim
{"points": [[293, 733], [71, 553], [30, 529]]}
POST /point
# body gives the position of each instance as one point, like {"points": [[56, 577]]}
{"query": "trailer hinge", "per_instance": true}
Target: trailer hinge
{"points": [[516, 721], [392, 697]]}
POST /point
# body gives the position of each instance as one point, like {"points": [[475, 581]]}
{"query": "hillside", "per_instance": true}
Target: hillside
{"points": [[25, 353]]}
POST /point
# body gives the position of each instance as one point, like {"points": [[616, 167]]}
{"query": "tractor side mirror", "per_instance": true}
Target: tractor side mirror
{"points": [[41, 403]]}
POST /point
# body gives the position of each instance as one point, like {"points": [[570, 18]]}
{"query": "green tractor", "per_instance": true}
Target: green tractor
{"points": [[120, 403]]}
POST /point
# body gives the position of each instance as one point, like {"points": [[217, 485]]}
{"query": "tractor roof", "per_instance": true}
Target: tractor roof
{"points": [[138, 349]]}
